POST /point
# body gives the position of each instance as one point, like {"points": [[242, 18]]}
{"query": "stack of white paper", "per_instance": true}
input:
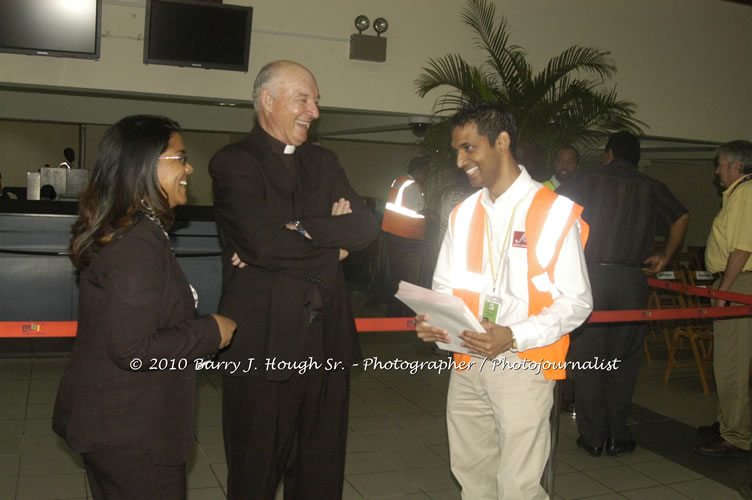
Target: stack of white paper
{"points": [[445, 311]]}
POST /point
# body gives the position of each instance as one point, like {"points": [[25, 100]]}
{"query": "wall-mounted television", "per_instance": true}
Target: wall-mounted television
{"points": [[60, 28], [197, 34]]}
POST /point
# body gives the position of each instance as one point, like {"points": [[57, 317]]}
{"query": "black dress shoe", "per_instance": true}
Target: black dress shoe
{"points": [[616, 448], [721, 448], [594, 451], [714, 429]]}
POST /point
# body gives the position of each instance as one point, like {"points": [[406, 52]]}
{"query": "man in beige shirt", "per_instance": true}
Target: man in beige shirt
{"points": [[728, 251]]}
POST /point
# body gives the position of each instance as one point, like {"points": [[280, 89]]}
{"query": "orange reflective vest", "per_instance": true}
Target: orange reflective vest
{"points": [[399, 219], [548, 221]]}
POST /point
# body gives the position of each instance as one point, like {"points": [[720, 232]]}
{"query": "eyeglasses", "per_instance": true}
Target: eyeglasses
{"points": [[183, 158]]}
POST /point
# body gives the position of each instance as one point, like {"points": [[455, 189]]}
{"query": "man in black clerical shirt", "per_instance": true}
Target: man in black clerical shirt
{"points": [[286, 216], [625, 210]]}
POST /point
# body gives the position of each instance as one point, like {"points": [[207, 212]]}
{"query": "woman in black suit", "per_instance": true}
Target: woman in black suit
{"points": [[126, 399]]}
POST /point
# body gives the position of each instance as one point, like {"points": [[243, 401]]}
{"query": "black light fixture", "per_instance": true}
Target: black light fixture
{"points": [[368, 47]]}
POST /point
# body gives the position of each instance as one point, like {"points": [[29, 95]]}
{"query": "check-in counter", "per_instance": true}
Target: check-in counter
{"points": [[39, 283]]}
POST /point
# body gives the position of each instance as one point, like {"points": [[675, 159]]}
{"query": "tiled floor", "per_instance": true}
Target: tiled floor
{"points": [[397, 444]]}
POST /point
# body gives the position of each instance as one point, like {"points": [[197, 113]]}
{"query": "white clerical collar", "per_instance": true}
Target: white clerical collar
{"points": [[289, 149]]}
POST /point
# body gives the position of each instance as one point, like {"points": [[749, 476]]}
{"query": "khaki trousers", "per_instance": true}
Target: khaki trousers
{"points": [[732, 351], [499, 431]]}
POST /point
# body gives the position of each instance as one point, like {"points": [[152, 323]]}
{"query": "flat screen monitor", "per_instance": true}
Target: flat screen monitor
{"points": [[60, 28], [197, 34]]}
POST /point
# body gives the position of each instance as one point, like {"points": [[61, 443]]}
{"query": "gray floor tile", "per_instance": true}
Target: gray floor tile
{"points": [[12, 428], [220, 473], [206, 494], [9, 465], [52, 487], [640, 455], [39, 427], [703, 489], [214, 451], [50, 463], [391, 440], [12, 412], [655, 493], [356, 443], [39, 410], [11, 445], [44, 385], [382, 484], [622, 478], [15, 398], [42, 444], [607, 496], [442, 450], [202, 476], [433, 478], [41, 397], [580, 460], [360, 463], [412, 458], [450, 494], [665, 471], [349, 493], [372, 424], [578, 485], [563, 468], [21, 385], [8, 487]]}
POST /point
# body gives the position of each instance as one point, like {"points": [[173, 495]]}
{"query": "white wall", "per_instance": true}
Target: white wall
{"points": [[684, 62], [692, 184]]}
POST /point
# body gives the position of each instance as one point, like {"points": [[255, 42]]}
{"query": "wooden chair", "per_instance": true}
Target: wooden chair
{"points": [[658, 298], [698, 333]]}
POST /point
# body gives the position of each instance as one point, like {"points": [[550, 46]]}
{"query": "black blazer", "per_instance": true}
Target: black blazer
{"points": [[255, 195], [134, 302]]}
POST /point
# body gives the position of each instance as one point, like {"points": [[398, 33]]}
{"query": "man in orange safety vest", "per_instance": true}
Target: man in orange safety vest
{"points": [[513, 253], [404, 228]]}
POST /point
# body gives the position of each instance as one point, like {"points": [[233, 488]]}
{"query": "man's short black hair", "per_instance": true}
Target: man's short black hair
{"points": [[418, 164], [489, 118], [569, 147], [624, 146]]}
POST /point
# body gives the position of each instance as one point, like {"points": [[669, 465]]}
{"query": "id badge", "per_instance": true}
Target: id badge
{"points": [[491, 309]]}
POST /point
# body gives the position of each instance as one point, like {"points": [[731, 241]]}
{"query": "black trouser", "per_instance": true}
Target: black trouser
{"points": [[294, 431], [127, 478], [406, 257], [603, 398]]}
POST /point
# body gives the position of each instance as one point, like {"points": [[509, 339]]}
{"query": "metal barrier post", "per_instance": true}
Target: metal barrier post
{"points": [[549, 473]]}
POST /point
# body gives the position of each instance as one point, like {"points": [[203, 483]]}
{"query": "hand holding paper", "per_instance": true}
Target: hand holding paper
{"points": [[446, 313]]}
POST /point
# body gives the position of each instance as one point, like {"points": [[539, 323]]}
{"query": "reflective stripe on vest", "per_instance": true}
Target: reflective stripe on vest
{"points": [[398, 219], [547, 223]]}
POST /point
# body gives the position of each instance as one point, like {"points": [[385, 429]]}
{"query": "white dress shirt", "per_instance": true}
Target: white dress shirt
{"points": [[570, 309]]}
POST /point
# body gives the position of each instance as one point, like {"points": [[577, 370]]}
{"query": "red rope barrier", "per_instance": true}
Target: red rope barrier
{"points": [[41, 329]]}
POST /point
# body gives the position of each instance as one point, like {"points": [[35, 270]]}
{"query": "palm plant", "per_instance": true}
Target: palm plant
{"points": [[566, 103]]}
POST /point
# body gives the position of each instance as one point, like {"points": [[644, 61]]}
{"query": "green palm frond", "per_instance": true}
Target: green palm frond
{"points": [[508, 61], [567, 102], [470, 83]]}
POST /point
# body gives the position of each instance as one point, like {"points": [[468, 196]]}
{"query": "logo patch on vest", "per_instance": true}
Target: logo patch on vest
{"points": [[519, 239]]}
